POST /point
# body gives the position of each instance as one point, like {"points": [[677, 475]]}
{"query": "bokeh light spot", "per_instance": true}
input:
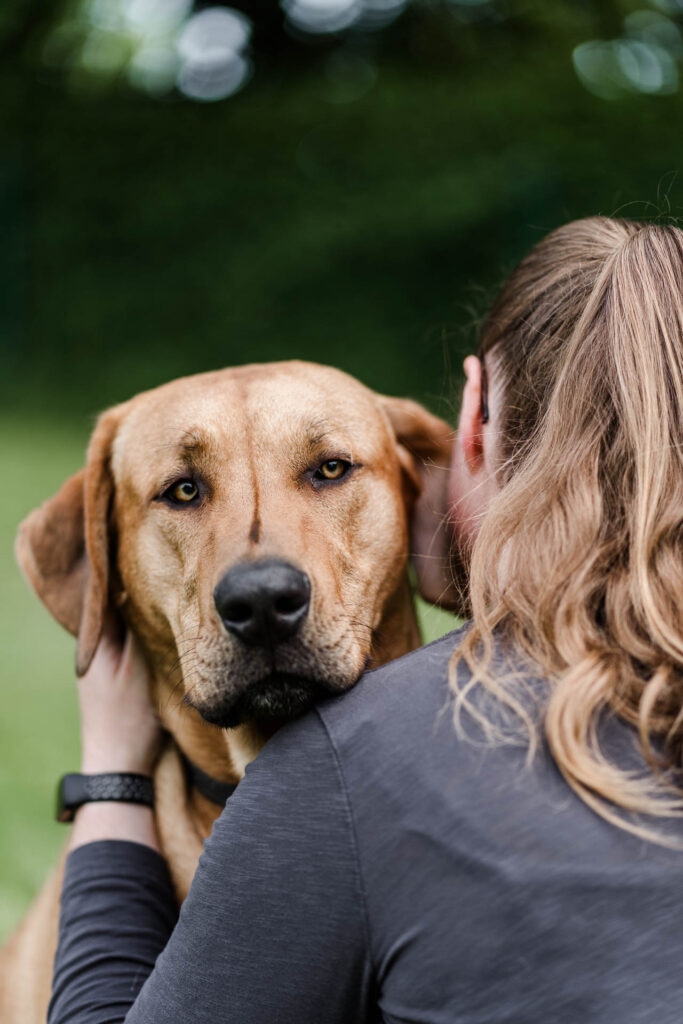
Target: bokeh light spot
{"points": [[319, 17], [210, 47], [157, 15], [154, 68]]}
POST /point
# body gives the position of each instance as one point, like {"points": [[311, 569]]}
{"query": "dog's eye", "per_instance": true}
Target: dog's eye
{"points": [[182, 492], [333, 469]]}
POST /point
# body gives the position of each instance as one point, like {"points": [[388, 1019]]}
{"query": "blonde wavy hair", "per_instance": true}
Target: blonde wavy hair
{"points": [[579, 560]]}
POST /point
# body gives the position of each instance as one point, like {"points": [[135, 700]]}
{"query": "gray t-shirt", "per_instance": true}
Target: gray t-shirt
{"points": [[372, 866]]}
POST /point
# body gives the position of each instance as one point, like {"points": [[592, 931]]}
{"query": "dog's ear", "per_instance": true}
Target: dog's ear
{"points": [[424, 444], [63, 546]]}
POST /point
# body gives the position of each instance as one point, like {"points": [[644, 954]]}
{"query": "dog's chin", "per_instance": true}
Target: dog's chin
{"points": [[274, 700]]}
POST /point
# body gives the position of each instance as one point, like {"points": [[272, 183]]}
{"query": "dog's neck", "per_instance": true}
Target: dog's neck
{"points": [[224, 754], [220, 753]]}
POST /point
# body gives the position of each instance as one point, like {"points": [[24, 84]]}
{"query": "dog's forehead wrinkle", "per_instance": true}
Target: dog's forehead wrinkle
{"points": [[203, 413], [190, 442], [318, 433], [269, 413]]}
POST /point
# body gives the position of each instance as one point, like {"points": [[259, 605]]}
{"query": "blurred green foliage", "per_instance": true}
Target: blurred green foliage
{"points": [[145, 239], [39, 721], [304, 217]]}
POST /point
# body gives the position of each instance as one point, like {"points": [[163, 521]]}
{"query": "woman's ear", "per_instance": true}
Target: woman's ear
{"points": [[470, 424], [424, 443], [63, 546]]}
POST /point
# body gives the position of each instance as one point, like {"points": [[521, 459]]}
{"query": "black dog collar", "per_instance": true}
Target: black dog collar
{"points": [[213, 789]]}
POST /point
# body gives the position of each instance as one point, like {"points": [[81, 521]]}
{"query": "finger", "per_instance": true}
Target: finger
{"points": [[133, 662], [109, 649]]}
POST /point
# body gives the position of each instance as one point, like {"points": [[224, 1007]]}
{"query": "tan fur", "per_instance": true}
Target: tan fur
{"points": [[252, 434]]}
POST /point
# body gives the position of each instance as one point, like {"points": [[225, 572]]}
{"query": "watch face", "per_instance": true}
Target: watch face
{"points": [[70, 795]]}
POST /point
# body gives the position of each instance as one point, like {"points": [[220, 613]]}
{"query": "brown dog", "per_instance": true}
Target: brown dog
{"points": [[252, 525]]}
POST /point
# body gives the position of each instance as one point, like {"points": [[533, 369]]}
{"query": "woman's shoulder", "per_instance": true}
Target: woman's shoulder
{"points": [[396, 706], [400, 753], [414, 680], [392, 707], [396, 722], [394, 733]]}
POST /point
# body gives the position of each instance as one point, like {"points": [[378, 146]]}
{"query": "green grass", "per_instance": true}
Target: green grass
{"points": [[39, 725], [39, 722]]}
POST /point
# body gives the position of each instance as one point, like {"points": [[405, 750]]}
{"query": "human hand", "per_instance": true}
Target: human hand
{"points": [[120, 731]]}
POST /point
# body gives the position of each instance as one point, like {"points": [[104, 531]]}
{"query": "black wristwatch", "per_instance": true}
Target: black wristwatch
{"points": [[125, 787]]}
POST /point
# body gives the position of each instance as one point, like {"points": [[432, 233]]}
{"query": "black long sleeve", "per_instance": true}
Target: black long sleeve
{"points": [[273, 928], [118, 912]]}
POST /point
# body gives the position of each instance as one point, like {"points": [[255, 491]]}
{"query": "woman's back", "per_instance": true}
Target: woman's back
{"points": [[493, 892], [372, 857]]}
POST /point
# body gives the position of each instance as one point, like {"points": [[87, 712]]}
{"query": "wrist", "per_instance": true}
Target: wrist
{"points": [[115, 761], [100, 821]]}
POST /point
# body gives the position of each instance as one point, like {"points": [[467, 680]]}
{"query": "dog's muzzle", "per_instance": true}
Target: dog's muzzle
{"points": [[275, 699]]}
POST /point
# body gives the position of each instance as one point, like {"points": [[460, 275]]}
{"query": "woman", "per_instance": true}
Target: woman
{"points": [[378, 862]]}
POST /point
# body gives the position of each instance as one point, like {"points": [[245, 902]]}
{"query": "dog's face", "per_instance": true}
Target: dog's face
{"points": [[262, 527], [252, 524]]}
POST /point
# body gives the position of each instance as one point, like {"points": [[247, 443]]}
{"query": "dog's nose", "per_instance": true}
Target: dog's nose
{"points": [[263, 602]]}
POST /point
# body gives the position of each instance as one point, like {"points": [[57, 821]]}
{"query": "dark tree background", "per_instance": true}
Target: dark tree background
{"points": [[354, 203]]}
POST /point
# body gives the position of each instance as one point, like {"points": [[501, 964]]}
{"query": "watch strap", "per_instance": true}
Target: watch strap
{"points": [[124, 787]]}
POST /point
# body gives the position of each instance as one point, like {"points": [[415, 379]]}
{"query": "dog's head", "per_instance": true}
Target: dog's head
{"points": [[253, 525]]}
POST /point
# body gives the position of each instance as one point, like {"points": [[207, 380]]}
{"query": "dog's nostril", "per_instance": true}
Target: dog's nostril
{"points": [[289, 603], [238, 612]]}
